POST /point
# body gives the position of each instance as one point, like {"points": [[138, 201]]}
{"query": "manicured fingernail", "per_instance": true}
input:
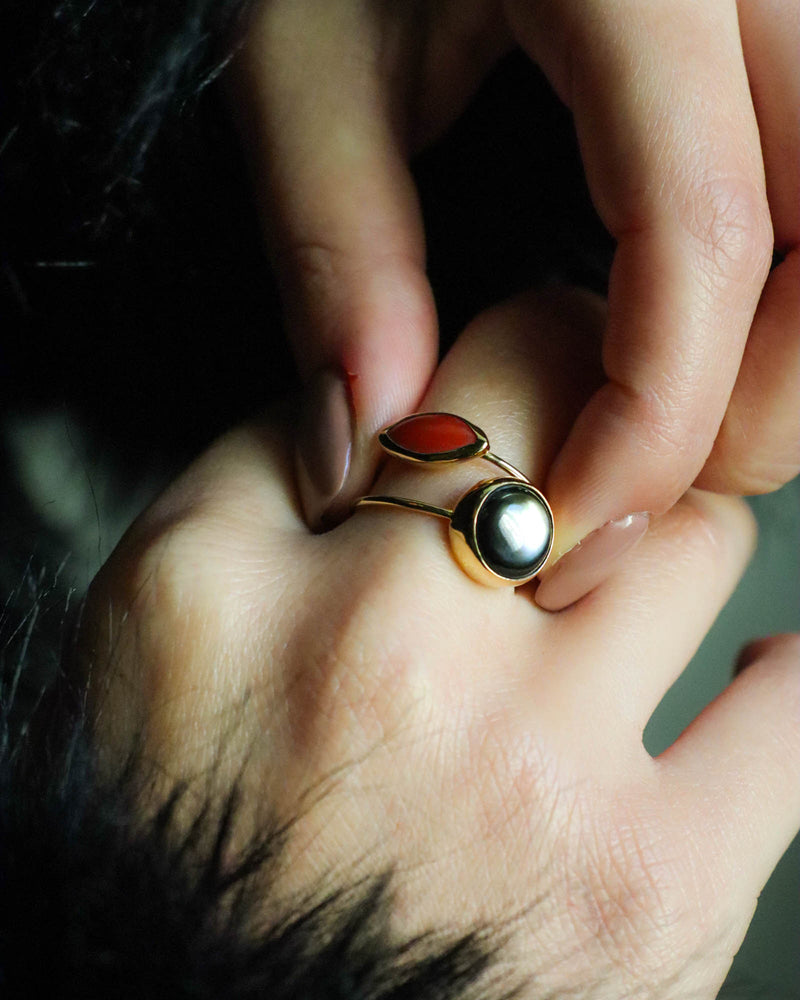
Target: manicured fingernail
{"points": [[589, 562], [324, 445]]}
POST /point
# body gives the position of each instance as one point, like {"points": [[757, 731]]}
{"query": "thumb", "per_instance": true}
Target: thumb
{"points": [[345, 227]]}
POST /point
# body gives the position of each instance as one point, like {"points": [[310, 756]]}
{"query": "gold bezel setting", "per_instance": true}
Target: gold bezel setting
{"points": [[474, 449], [473, 552]]}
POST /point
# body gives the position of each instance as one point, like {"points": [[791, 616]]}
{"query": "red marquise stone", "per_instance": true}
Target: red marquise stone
{"points": [[433, 433]]}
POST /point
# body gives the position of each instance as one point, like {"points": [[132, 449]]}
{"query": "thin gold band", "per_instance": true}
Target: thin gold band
{"points": [[419, 505], [429, 508]]}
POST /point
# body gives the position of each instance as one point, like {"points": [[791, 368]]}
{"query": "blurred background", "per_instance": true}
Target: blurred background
{"points": [[140, 320]]}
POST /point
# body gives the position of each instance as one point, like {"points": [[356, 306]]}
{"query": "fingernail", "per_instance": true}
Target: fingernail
{"points": [[324, 445], [590, 562]]}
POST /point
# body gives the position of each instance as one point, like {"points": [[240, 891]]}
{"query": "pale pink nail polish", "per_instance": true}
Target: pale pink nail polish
{"points": [[324, 445], [590, 562]]}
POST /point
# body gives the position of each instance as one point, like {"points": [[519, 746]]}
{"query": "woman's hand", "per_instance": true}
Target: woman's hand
{"points": [[491, 752], [687, 116]]}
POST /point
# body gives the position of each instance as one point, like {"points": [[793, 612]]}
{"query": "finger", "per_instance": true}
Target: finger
{"points": [[758, 447], [464, 40], [736, 767], [344, 221], [521, 372], [668, 593], [516, 372], [770, 31], [671, 149]]}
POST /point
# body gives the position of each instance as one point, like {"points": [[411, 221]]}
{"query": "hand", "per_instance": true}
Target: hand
{"points": [[687, 116], [490, 752]]}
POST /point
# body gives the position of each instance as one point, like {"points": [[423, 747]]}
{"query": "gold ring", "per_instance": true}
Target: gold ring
{"points": [[501, 530]]}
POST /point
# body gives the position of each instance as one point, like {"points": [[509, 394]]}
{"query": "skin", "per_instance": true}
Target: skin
{"points": [[687, 117], [491, 751]]}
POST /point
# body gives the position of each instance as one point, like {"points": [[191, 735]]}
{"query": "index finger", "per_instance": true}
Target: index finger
{"points": [[671, 150]]}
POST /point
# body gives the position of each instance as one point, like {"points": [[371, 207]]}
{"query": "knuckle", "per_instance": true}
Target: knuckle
{"points": [[368, 680], [313, 273], [729, 222], [130, 645], [664, 414], [717, 530], [663, 420], [316, 263], [153, 578]]}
